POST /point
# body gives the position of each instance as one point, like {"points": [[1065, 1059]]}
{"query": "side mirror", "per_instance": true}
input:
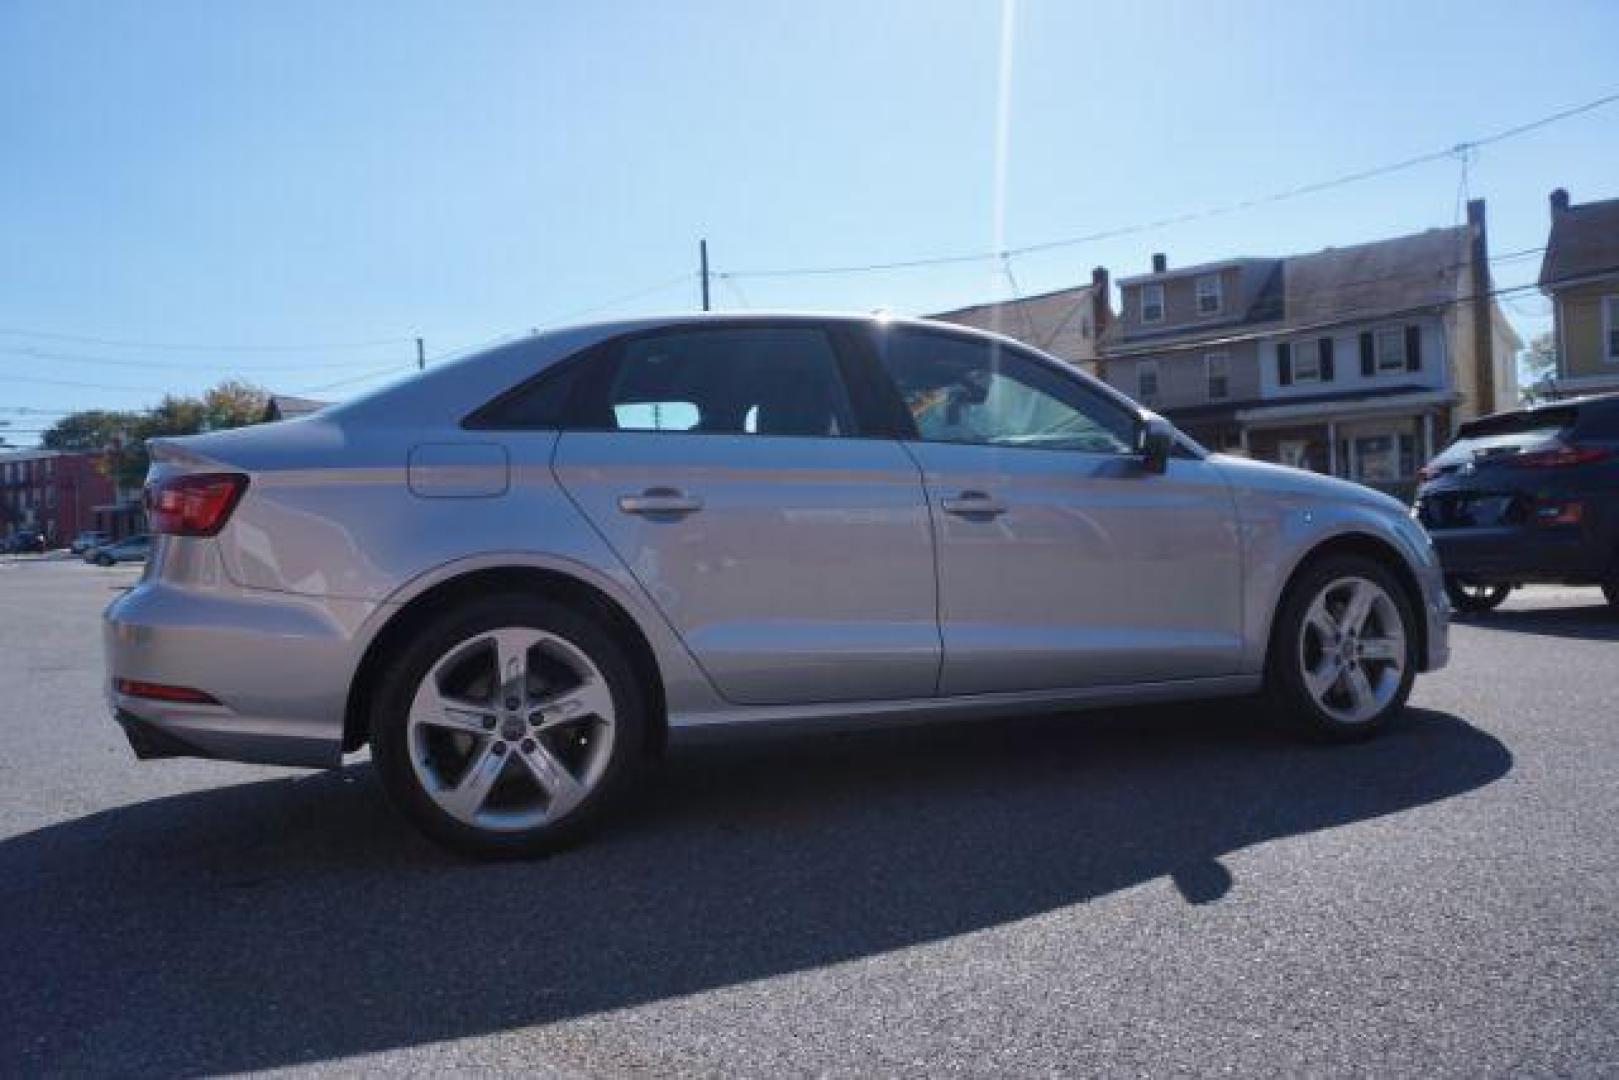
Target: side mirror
{"points": [[1155, 439]]}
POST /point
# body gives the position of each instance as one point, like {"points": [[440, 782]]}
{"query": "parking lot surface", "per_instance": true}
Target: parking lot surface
{"points": [[1167, 890]]}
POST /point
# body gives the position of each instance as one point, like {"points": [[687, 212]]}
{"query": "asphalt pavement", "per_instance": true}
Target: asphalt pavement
{"points": [[1172, 890]]}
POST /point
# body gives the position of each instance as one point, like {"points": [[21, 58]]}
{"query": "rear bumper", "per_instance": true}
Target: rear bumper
{"points": [[279, 666], [1513, 553]]}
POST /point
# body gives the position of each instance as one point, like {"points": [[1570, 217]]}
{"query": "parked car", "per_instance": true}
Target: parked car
{"points": [[86, 540], [26, 541], [1530, 495], [131, 549], [516, 575]]}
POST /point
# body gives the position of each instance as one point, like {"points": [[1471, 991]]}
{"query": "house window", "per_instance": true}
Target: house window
{"points": [[1610, 329], [1147, 380], [1307, 361], [1152, 303], [1209, 300], [1085, 328], [1219, 368], [1391, 349]]}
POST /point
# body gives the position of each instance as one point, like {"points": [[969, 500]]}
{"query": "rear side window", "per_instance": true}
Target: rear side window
{"points": [[780, 381]]}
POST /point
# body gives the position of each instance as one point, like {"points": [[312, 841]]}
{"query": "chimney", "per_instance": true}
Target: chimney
{"points": [[1101, 316], [1101, 299], [1160, 262], [1559, 201]]}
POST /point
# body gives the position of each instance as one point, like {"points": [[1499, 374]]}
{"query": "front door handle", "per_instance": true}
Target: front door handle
{"points": [[973, 503], [660, 501]]}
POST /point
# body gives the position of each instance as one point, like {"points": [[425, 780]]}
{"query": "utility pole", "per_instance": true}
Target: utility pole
{"points": [[702, 252], [421, 356]]}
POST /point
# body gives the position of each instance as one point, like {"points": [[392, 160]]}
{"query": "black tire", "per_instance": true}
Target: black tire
{"points": [[1474, 598], [390, 742], [1289, 698], [103, 560], [1610, 590]]}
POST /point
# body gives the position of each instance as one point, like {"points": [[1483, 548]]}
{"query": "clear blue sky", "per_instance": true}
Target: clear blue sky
{"points": [[314, 172]]}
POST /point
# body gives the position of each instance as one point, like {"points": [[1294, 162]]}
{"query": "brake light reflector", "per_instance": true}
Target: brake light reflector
{"points": [[195, 505], [184, 695], [1556, 457]]}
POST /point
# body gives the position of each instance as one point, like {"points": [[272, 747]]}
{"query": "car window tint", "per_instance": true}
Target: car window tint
{"points": [[743, 380], [966, 391], [539, 403]]}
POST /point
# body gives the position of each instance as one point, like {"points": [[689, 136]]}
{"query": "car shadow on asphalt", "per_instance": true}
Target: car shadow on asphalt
{"points": [[288, 921], [1589, 622]]}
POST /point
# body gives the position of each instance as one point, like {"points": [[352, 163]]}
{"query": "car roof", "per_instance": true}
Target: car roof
{"points": [[467, 383]]}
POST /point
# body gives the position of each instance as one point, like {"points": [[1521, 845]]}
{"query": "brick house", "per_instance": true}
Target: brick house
{"points": [[1580, 275], [1066, 323], [56, 492], [1356, 361]]}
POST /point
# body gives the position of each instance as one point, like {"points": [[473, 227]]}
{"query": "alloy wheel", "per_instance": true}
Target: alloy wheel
{"points": [[1352, 649], [511, 729]]}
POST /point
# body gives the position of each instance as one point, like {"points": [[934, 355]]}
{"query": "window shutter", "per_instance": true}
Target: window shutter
{"points": [[1413, 348], [1326, 359], [1368, 354], [1284, 364]]}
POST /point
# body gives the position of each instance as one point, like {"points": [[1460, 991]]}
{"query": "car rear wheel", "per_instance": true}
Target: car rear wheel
{"points": [[1475, 597], [1344, 651], [507, 725], [1610, 589]]}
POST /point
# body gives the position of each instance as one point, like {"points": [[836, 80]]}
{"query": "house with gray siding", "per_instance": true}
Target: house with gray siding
{"points": [[1357, 362]]}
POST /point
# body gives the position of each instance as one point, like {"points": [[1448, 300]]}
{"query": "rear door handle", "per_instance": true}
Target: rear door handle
{"points": [[973, 503], [660, 501]]}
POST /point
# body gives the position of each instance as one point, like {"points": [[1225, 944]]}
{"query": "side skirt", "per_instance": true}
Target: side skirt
{"points": [[847, 714]]}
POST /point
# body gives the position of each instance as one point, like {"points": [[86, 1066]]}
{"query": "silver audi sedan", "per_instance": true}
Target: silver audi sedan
{"points": [[516, 576]]}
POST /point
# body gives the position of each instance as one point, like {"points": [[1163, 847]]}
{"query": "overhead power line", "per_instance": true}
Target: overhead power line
{"points": [[31, 353], [124, 343], [1285, 194]]}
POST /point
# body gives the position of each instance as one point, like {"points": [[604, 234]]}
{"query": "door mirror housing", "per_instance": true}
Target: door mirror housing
{"points": [[1155, 440]]}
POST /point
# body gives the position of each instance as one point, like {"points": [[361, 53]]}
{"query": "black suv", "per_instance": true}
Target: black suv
{"points": [[1527, 496]]}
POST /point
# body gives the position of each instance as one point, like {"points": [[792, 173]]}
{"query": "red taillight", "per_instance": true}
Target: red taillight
{"points": [[1560, 513], [184, 695], [194, 505], [1556, 457]]}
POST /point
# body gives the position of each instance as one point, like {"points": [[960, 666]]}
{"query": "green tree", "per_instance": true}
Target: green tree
{"points": [[1538, 363], [234, 403], [92, 429], [230, 404]]}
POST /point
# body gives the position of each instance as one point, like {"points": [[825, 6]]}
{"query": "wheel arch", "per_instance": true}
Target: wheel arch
{"points": [[1365, 545], [553, 584]]}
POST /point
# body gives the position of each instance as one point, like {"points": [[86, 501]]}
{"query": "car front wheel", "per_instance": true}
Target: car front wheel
{"points": [[506, 726], [1344, 651]]}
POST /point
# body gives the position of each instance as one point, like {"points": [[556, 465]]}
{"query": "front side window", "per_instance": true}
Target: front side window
{"points": [[736, 381], [964, 391], [1391, 349], [1610, 329], [1209, 299], [1152, 303]]}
